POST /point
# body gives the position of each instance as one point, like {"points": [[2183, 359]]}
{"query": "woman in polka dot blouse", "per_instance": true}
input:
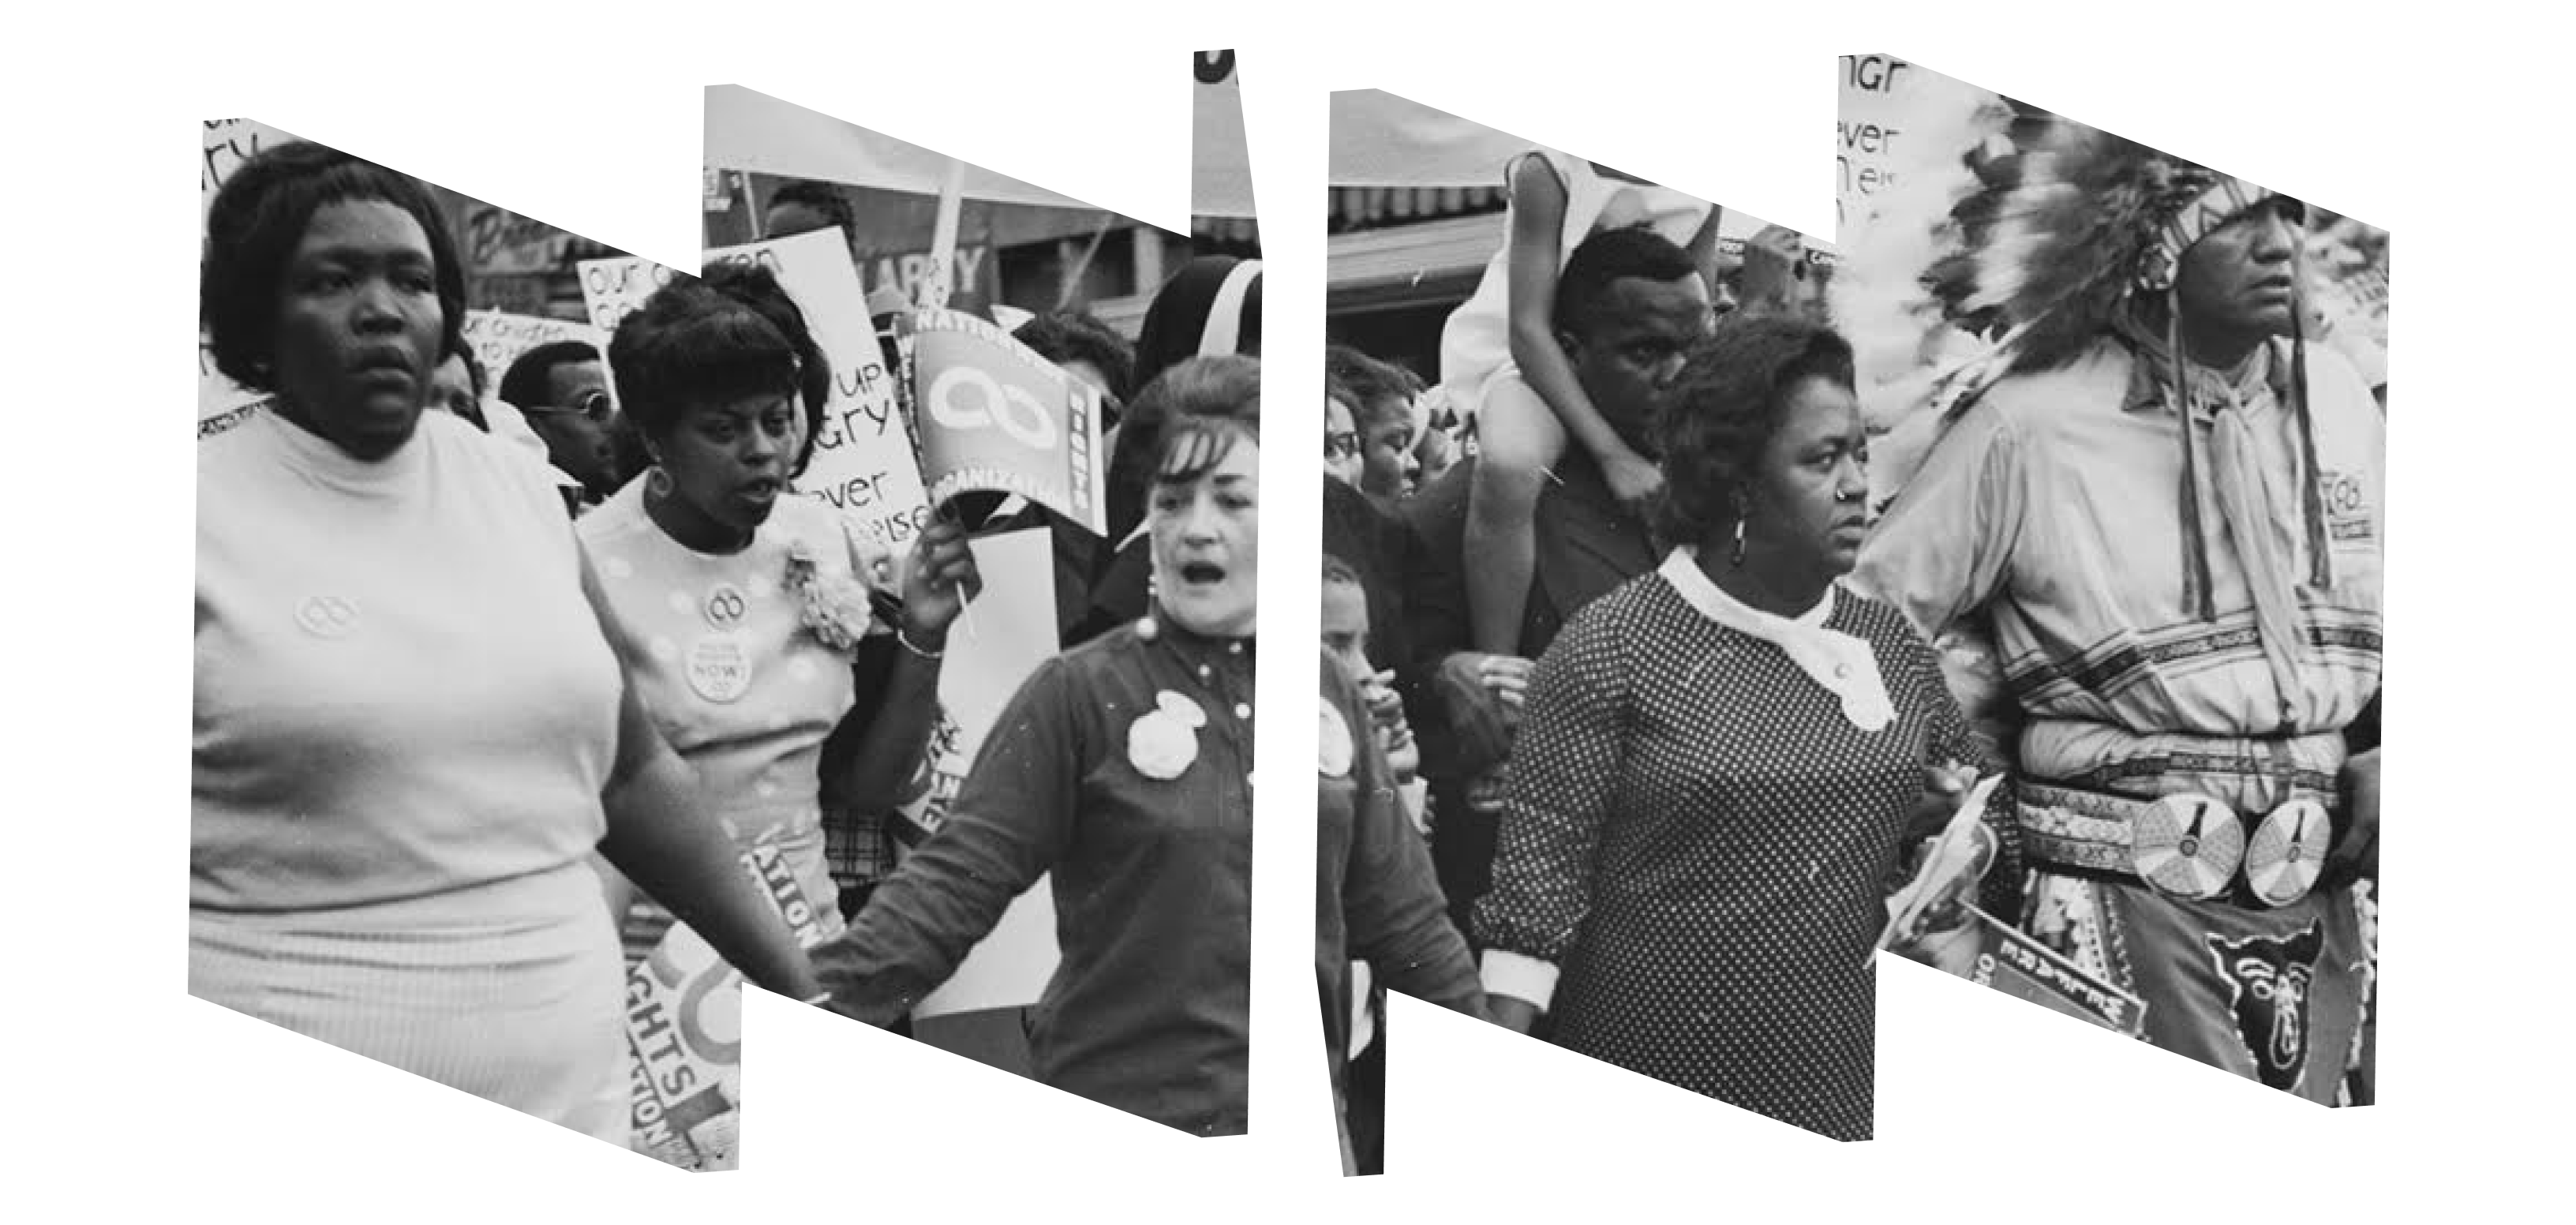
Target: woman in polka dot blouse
{"points": [[745, 603], [1722, 761]]}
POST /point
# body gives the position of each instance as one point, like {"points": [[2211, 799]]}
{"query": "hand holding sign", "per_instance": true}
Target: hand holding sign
{"points": [[993, 415]]}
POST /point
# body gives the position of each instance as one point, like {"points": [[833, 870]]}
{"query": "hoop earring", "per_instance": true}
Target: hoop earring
{"points": [[657, 484], [1736, 557]]}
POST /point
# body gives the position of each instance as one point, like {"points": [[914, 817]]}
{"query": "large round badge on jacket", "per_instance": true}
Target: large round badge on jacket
{"points": [[1162, 742], [2187, 845], [1334, 749]]}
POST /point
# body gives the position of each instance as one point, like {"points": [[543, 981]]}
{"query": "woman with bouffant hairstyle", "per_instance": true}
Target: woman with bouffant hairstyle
{"points": [[1120, 771]]}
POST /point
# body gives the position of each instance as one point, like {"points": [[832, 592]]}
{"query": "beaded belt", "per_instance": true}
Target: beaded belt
{"points": [[2185, 845]]}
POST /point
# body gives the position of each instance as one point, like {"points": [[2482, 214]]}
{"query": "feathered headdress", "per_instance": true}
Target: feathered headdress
{"points": [[2010, 252], [2020, 244]]}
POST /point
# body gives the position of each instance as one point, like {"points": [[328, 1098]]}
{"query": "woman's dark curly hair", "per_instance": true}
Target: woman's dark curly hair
{"points": [[713, 340], [1717, 417], [258, 219], [1190, 417]]}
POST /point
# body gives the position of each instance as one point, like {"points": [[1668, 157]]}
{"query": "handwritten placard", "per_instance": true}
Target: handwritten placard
{"points": [[612, 289], [498, 338], [1885, 101], [994, 415]]}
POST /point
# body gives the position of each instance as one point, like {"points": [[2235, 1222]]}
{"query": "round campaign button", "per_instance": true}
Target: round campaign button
{"points": [[1161, 745], [719, 668]]}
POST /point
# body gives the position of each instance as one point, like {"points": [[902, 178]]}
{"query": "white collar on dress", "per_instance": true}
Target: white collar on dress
{"points": [[1840, 663]]}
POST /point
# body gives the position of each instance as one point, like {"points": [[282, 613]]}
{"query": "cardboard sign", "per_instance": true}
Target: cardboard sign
{"points": [[684, 1030], [1003, 636], [993, 415], [498, 338], [2013, 962], [612, 289], [1883, 100]]}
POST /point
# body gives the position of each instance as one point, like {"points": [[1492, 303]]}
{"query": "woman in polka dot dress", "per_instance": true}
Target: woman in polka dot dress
{"points": [[745, 603], [1722, 761]]}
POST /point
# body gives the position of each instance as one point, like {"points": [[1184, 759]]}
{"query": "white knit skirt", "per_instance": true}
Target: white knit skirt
{"points": [[509, 991]]}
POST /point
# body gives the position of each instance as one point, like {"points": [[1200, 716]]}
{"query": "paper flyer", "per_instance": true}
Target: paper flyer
{"points": [[1962, 848]]}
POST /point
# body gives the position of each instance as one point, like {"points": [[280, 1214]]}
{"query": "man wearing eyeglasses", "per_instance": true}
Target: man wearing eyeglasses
{"points": [[562, 389]]}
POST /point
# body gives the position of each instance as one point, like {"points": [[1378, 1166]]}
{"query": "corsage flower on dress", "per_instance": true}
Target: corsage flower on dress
{"points": [[835, 609]]}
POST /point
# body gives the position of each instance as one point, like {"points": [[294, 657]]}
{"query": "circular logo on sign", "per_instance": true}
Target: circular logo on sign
{"points": [[725, 606], [719, 668], [327, 616]]}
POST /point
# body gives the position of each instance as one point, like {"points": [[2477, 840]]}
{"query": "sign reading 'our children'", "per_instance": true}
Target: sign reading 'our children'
{"points": [[863, 463], [498, 338]]}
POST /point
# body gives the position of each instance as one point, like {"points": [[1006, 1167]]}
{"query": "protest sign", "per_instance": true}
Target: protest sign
{"points": [[612, 289], [498, 337], [2013, 962], [684, 1029], [993, 415], [222, 403], [1003, 636], [1886, 105]]}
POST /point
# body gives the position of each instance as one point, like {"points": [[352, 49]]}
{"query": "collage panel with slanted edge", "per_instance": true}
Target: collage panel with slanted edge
{"points": [[879, 522], [2130, 470], [1571, 790]]}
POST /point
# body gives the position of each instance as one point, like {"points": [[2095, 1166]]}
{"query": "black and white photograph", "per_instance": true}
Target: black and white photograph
{"points": [[1595, 472], [2130, 479], [867, 616]]}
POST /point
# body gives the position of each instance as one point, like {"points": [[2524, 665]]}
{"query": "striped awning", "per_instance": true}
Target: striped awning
{"points": [[1358, 208]]}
